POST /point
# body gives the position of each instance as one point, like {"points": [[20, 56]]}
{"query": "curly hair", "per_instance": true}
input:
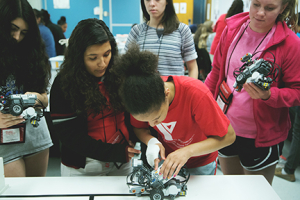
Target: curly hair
{"points": [[77, 83], [169, 20], [142, 90], [26, 60]]}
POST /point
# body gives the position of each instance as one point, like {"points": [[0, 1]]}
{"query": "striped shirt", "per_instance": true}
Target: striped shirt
{"points": [[172, 49]]}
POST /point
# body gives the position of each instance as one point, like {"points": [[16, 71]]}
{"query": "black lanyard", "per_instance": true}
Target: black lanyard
{"points": [[238, 42], [160, 40]]}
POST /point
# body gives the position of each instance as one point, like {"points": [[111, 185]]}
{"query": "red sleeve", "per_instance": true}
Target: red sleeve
{"points": [[210, 117], [138, 124]]}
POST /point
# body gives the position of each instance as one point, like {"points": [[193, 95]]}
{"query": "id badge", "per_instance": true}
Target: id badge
{"points": [[14, 134], [224, 97], [116, 138]]}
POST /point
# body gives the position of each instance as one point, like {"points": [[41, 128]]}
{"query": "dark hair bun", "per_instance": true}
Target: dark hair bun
{"points": [[63, 18]]}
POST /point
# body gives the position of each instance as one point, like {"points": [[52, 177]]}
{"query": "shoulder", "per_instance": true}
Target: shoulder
{"points": [[283, 33], [191, 86], [137, 29], [140, 27], [183, 26]]}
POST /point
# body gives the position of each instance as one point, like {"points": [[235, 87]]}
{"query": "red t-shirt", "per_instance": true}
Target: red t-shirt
{"points": [[192, 116]]}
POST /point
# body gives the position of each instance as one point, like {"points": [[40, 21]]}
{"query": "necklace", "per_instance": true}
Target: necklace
{"points": [[160, 40], [238, 42]]}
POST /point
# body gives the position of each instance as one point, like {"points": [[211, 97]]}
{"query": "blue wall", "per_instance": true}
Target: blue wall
{"points": [[127, 12], [123, 12], [79, 10]]}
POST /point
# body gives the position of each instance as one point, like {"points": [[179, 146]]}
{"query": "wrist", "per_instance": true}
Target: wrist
{"points": [[153, 141]]}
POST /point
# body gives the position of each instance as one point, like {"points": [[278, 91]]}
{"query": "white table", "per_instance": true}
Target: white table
{"points": [[219, 187]]}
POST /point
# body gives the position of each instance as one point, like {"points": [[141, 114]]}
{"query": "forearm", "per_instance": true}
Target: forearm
{"points": [[40, 96], [73, 135], [143, 134], [211, 144], [192, 68]]}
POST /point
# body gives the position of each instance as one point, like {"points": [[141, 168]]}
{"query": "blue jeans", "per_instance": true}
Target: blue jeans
{"points": [[208, 169], [294, 155]]}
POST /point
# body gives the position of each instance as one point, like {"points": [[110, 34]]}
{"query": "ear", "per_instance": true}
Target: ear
{"points": [[283, 8], [167, 92]]}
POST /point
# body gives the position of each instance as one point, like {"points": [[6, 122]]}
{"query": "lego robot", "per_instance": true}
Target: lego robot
{"points": [[255, 71], [21, 104], [144, 180]]}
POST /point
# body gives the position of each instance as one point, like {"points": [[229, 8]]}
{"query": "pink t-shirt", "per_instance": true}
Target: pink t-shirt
{"points": [[240, 112]]}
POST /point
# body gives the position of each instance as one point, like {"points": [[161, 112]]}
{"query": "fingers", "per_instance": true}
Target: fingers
{"points": [[8, 120], [130, 143], [132, 152], [156, 162], [255, 92], [162, 151]]}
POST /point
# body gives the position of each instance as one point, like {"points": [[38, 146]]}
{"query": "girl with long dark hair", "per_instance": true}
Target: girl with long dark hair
{"points": [[86, 109], [25, 69], [165, 36]]}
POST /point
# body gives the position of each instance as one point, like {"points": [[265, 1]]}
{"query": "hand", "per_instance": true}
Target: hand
{"points": [[174, 162], [153, 149], [41, 101], [8, 120], [132, 151], [255, 92]]}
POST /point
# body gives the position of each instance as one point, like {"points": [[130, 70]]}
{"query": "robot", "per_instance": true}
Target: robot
{"points": [[144, 180], [255, 71], [20, 104]]}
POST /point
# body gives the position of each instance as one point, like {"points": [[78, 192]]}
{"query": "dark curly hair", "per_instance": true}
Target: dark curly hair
{"points": [[77, 83], [26, 60], [142, 89], [169, 21]]}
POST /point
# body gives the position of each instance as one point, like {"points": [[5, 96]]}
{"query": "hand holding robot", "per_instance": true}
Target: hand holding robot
{"points": [[260, 72], [21, 105], [143, 179]]}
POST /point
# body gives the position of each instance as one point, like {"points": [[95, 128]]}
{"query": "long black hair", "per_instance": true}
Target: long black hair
{"points": [[169, 20], [26, 60], [142, 90], [236, 7], [77, 83]]}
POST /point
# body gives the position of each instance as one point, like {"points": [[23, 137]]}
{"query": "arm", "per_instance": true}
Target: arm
{"points": [[286, 92], [153, 146], [8, 120], [178, 158], [42, 97], [133, 36], [188, 51], [73, 131], [212, 123], [192, 68]]}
